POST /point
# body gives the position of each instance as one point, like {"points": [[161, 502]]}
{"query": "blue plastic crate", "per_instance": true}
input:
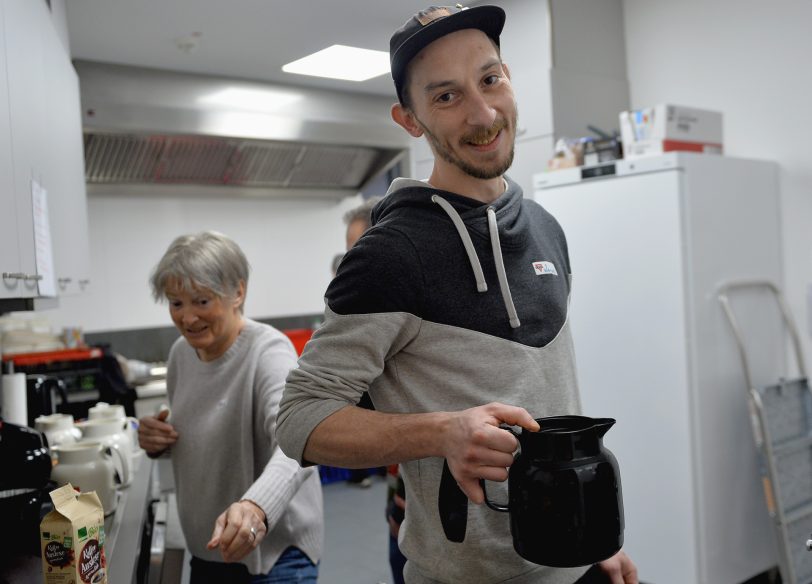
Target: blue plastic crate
{"points": [[332, 474]]}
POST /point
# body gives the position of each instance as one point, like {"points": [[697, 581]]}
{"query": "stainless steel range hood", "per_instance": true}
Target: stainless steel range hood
{"points": [[157, 132]]}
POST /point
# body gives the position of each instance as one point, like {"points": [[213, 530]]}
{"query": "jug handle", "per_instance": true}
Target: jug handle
{"points": [[491, 504], [488, 502], [453, 506], [124, 476]]}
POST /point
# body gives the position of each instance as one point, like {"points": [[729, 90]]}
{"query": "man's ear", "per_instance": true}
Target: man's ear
{"points": [[406, 119], [506, 69]]}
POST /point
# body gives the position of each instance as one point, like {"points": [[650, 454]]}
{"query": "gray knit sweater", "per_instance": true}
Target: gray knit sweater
{"points": [[225, 414]]}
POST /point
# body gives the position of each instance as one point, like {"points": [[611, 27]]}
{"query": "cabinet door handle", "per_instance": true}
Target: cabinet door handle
{"points": [[64, 281], [32, 277], [84, 282], [14, 276]]}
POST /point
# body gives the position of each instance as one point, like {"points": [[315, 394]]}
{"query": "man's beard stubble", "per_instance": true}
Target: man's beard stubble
{"points": [[476, 172]]}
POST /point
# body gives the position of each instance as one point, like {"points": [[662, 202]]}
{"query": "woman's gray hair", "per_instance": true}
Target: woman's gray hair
{"points": [[207, 260]]}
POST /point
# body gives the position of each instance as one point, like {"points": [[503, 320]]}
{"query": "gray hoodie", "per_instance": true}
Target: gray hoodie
{"points": [[445, 304]]}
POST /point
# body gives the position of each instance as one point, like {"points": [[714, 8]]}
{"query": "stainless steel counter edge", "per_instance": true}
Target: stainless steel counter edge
{"points": [[123, 530]]}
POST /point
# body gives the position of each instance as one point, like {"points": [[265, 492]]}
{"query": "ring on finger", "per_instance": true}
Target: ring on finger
{"points": [[253, 533]]}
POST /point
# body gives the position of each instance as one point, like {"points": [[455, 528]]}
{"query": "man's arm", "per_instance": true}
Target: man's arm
{"points": [[470, 440]]}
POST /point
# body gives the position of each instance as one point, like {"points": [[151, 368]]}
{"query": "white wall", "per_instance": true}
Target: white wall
{"points": [[588, 75], [749, 60], [60, 20], [289, 244]]}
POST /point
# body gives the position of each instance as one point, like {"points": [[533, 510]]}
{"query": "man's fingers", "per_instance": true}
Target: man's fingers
{"points": [[620, 569], [495, 449], [496, 474], [513, 416], [472, 490]]}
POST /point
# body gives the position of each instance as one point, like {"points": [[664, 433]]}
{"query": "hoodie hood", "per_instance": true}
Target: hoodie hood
{"points": [[512, 223], [500, 221]]}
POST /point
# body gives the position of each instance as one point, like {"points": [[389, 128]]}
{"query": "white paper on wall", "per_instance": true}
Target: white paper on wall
{"points": [[42, 241]]}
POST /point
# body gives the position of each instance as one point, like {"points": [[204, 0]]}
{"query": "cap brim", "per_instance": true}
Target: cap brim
{"points": [[488, 19]]}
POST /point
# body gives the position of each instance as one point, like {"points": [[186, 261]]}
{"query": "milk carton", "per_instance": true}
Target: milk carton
{"points": [[72, 539]]}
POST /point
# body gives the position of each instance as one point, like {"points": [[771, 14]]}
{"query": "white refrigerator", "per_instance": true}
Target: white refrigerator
{"points": [[650, 243]]}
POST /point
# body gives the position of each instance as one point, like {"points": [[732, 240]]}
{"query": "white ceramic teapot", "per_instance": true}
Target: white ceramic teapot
{"points": [[89, 466], [58, 429], [105, 411], [111, 433]]}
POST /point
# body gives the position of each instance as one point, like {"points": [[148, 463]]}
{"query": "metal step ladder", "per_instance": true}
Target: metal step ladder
{"points": [[781, 421]]}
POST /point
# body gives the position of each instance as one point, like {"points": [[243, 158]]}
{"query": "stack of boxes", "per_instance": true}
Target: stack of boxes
{"points": [[666, 128]]}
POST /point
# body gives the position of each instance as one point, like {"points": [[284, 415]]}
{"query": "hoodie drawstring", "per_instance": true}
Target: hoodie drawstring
{"points": [[500, 270], [481, 286]]}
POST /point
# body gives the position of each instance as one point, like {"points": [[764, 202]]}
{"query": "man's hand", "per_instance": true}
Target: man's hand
{"points": [[155, 434], [620, 569], [238, 530], [476, 448]]}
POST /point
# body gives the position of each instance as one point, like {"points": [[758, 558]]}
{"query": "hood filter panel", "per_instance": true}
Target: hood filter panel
{"points": [[203, 160]]}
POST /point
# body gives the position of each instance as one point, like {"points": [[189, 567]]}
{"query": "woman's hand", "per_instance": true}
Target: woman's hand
{"points": [[155, 434], [238, 530]]}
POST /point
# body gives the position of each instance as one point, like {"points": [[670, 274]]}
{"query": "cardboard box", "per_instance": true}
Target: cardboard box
{"points": [[72, 539], [655, 147], [666, 128]]}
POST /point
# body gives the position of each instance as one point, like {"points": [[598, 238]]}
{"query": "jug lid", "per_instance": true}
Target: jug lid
{"points": [[565, 438]]}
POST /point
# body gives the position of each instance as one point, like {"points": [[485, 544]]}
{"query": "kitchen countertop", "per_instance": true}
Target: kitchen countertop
{"points": [[122, 535], [123, 529]]}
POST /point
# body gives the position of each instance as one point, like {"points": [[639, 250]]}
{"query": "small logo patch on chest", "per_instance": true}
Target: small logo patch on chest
{"points": [[542, 268]]}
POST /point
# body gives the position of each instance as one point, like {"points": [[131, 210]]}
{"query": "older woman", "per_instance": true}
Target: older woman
{"points": [[248, 512]]}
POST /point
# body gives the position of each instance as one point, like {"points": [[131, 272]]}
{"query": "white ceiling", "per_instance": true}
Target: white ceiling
{"points": [[249, 39]]}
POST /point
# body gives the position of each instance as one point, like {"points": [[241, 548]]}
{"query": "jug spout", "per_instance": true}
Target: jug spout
{"points": [[602, 425]]}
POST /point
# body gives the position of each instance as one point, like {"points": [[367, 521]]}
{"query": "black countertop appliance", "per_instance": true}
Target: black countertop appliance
{"points": [[24, 481]]}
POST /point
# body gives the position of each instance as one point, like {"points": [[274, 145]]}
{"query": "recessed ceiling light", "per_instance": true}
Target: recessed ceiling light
{"points": [[260, 100], [342, 62]]}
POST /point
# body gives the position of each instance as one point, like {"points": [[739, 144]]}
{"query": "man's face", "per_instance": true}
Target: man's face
{"points": [[354, 231], [462, 99]]}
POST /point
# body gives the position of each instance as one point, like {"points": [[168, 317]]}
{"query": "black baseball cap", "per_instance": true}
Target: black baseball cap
{"points": [[434, 22]]}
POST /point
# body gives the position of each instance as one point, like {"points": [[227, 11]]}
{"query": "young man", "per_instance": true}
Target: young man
{"points": [[451, 312]]}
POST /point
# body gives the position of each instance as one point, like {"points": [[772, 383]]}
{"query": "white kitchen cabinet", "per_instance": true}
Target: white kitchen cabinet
{"points": [[64, 175], [649, 250], [40, 140], [23, 27], [9, 255]]}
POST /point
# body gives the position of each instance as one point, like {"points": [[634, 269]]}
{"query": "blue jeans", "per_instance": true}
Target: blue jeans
{"points": [[292, 567], [396, 560]]}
